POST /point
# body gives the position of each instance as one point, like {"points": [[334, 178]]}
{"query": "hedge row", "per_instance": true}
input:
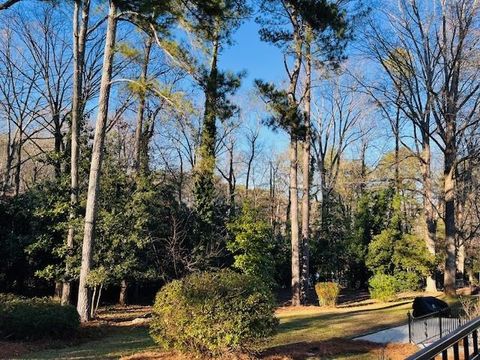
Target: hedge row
{"points": [[29, 319]]}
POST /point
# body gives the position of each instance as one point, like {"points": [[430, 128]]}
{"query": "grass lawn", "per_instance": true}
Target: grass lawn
{"points": [[322, 333], [112, 336], [316, 323], [304, 333], [121, 342]]}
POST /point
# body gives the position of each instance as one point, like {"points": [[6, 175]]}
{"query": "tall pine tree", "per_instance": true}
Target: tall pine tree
{"points": [[285, 24]]}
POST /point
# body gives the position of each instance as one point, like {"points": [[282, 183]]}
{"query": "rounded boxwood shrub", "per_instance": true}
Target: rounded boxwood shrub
{"points": [[327, 293], [383, 287], [29, 319], [213, 312]]}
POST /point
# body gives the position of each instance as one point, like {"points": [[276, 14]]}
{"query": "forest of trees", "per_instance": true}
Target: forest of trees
{"points": [[129, 155]]}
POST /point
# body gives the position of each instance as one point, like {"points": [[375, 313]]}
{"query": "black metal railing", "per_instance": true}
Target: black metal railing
{"points": [[429, 328], [461, 344]]}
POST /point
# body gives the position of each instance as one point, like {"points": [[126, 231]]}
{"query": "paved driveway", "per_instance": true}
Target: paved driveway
{"points": [[397, 334]]}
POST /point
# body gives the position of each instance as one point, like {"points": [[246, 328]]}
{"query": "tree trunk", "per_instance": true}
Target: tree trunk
{"points": [[249, 166], [92, 307], [296, 250], [452, 71], [429, 215], [321, 179], [294, 231], [306, 177], [397, 150], [98, 298], [180, 178], [9, 151], [363, 167], [79, 38], [465, 192], [471, 277], [83, 304], [139, 158], [231, 181], [58, 145], [461, 260], [58, 290], [271, 183], [123, 297], [18, 165], [450, 229]]}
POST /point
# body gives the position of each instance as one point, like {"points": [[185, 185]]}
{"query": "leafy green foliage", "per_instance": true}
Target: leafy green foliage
{"points": [[215, 31], [327, 293], [221, 86], [127, 51], [286, 116], [28, 319], [329, 24], [412, 262], [329, 250], [97, 277], [380, 251], [411, 255], [116, 249], [383, 287], [398, 253], [32, 226], [408, 281], [132, 243], [214, 19], [252, 245], [372, 215], [155, 198], [213, 312]]}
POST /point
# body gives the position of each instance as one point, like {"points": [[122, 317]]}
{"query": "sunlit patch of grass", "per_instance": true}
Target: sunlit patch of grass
{"points": [[315, 323]]}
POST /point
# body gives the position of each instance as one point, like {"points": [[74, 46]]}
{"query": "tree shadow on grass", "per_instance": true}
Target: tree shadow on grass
{"points": [[333, 348], [121, 342], [323, 349], [309, 321]]}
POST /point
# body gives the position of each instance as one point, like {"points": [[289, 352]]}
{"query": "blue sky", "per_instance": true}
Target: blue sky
{"points": [[261, 60], [264, 61]]}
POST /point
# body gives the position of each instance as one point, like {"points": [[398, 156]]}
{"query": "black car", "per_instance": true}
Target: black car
{"points": [[427, 305]]}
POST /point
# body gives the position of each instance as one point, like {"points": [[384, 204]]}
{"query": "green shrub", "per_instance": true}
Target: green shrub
{"points": [[28, 319], [383, 287], [213, 312], [327, 293], [408, 281], [252, 245], [7, 297]]}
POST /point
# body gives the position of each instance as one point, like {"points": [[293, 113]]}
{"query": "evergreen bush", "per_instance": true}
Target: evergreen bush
{"points": [[30, 319], [327, 293], [213, 312], [383, 287]]}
